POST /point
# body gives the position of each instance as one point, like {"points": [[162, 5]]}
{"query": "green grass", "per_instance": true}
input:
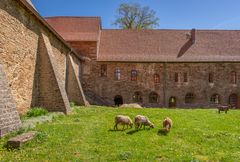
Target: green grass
{"points": [[87, 135]]}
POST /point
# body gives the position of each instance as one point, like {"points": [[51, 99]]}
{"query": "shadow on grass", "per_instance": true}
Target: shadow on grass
{"points": [[117, 130], [162, 132]]}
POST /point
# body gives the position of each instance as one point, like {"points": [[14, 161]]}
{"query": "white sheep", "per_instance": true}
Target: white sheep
{"points": [[142, 120], [123, 120], [167, 124]]}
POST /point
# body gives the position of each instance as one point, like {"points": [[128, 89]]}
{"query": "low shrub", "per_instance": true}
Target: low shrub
{"points": [[37, 111]]}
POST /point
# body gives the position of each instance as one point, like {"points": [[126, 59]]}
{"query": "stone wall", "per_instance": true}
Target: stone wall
{"points": [[9, 118], [73, 85], [198, 84], [19, 46]]}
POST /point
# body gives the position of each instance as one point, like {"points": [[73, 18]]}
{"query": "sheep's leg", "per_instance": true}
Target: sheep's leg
{"points": [[115, 127], [123, 126], [218, 111]]}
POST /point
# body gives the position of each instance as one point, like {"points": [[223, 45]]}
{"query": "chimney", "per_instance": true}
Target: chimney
{"points": [[193, 35]]}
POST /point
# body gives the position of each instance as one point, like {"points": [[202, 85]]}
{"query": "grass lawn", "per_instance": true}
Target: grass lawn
{"points": [[87, 135]]}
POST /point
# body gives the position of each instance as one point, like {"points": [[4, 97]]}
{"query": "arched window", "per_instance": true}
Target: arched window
{"points": [[210, 77], [153, 97], [189, 98], [233, 77], [215, 99], [134, 75], [137, 97], [117, 74], [103, 70], [156, 78], [233, 100]]}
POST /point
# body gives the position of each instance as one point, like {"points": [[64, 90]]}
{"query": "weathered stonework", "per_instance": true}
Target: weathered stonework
{"points": [[9, 117], [108, 87], [19, 47], [50, 91], [73, 85]]}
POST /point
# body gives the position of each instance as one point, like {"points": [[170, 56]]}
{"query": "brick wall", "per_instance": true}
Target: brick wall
{"points": [[108, 87], [19, 46]]}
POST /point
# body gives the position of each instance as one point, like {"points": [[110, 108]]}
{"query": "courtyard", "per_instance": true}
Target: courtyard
{"points": [[87, 135]]}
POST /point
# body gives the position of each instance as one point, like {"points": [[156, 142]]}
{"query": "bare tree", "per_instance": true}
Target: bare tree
{"points": [[133, 16]]}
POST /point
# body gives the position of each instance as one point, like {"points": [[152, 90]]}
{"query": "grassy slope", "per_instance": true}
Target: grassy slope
{"points": [[87, 136]]}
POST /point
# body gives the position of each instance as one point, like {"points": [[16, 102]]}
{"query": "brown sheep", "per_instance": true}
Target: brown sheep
{"points": [[223, 108], [123, 120], [142, 120], [167, 124]]}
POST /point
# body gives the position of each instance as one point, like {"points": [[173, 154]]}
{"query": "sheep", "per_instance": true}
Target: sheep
{"points": [[223, 108], [123, 120], [142, 120], [167, 124]]}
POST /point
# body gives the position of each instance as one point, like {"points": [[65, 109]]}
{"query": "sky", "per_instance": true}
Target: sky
{"points": [[173, 14]]}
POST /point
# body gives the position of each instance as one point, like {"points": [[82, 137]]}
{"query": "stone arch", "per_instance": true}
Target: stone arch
{"points": [[118, 100], [189, 98], [137, 97], [233, 100], [153, 97], [215, 98], [172, 101]]}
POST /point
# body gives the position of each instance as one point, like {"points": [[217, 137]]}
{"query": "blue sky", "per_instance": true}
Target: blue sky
{"points": [[173, 14]]}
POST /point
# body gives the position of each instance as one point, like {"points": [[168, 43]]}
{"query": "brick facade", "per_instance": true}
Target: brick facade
{"points": [[196, 82]]}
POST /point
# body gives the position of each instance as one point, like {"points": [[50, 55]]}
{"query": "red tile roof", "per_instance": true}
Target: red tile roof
{"points": [[76, 28], [167, 45]]}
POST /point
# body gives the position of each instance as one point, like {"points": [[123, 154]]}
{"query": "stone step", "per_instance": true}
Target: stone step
{"points": [[18, 141]]}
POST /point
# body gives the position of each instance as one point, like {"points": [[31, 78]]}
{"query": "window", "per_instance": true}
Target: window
{"points": [[210, 78], [137, 97], [233, 77], [233, 100], [153, 97], [117, 74], [176, 77], [215, 99], [103, 70], [185, 77], [156, 78], [134, 75], [189, 98]]}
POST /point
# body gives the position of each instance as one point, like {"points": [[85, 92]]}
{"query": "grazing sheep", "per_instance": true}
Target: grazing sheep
{"points": [[123, 120], [142, 120], [167, 124], [223, 108]]}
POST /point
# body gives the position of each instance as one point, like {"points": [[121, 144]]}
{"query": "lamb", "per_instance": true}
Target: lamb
{"points": [[142, 120], [123, 120], [167, 124]]}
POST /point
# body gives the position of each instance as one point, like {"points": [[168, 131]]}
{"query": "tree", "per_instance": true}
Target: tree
{"points": [[133, 16]]}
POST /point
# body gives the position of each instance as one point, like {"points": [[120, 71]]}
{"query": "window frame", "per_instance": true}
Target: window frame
{"points": [[103, 70], [134, 75], [117, 74]]}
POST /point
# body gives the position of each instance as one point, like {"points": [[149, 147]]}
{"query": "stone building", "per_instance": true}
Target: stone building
{"points": [[38, 68], [156, 68]]}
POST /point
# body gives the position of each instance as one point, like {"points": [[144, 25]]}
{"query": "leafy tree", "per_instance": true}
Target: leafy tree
{"points": [[133, 16]]}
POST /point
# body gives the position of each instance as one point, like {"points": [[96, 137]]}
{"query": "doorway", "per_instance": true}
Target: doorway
{"points": [[172, 102], [118, 100]]}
